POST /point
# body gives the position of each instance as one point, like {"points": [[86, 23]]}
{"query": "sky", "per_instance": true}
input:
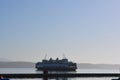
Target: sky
{"points": [[85, 31]]}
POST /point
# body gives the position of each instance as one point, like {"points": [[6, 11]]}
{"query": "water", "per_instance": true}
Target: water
{"points": [[32, 70]]}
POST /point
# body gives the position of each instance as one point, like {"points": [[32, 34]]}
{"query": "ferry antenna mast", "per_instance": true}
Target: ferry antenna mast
{"points": [[64, 57], [45, 56]]}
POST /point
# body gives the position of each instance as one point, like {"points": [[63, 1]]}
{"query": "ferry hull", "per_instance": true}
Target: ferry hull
{"points": [[56, 69]]}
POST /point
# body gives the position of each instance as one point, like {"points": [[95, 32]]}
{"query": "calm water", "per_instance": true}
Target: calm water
{"points": [[32, 70]]}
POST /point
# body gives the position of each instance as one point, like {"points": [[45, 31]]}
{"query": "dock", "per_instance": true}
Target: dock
{"points": [[64, 75]]}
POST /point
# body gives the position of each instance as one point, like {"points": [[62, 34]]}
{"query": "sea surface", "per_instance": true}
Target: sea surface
{"points": [[33, 70]]}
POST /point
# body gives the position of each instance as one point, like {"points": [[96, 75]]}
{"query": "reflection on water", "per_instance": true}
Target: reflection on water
{"points": [[56, 72], [78, 79], [51, 72], [56, 79], [68, 79]]}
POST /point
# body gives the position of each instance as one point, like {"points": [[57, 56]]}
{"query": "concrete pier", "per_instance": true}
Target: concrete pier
{"points": [[66, 75]]}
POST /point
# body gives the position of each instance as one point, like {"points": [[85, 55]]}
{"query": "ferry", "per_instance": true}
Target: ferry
{"points": [[56, 65], [2, 78], [116, 79]]}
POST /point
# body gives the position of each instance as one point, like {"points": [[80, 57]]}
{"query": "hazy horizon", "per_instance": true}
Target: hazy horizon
{"points": [[86, 31]]}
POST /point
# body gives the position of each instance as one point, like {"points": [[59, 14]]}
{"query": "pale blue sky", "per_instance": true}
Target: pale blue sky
{"points": [[86, 31]]}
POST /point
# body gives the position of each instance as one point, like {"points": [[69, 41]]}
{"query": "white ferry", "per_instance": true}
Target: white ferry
{"points": [[56, 65]]}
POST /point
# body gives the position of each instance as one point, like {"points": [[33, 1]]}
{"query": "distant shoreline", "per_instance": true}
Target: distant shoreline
{"points": [[79, 65], [17, 65]]}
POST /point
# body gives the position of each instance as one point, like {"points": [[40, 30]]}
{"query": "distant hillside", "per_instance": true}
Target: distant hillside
{"points": [[98, 66], [4, 59], [17, 65]]}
